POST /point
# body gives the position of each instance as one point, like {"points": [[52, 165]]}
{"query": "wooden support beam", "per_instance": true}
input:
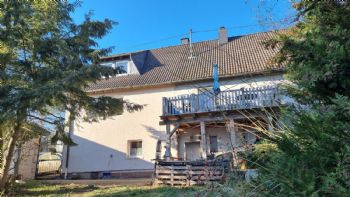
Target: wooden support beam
{"points": [[187, 125], [169, 133], [197, 120], [226, 113], [203, 140], [167, 154], [270, 123], [174, 130], [211, 117], [231, 127], [194, 115]]}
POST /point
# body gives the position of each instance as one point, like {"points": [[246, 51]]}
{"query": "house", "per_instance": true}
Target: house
{"points": [[183, 117]]}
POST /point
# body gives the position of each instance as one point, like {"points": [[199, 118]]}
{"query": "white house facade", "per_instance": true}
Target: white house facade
{"points": [[182, 119]]}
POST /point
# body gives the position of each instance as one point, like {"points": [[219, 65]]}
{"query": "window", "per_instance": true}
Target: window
{"points": [[122, 66], [213, 144], [135, 148]]}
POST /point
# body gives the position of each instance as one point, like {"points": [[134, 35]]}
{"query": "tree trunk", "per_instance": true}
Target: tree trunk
{"points": [[1, 147], [70, 131], [16, 164], [7, 160]]}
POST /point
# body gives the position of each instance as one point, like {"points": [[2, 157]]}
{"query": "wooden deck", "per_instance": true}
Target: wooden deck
{"points": [[245, 98]]}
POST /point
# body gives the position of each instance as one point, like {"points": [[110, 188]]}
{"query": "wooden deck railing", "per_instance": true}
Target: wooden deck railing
{"points": [[187, 175], [245, 98]]}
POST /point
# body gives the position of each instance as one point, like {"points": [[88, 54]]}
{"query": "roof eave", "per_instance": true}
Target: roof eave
{"points": [[281, 70]]}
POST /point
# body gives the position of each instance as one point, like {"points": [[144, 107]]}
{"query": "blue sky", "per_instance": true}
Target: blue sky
{"points": [[146, 24]]}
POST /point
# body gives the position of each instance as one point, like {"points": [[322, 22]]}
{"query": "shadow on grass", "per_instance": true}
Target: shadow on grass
{"points": [[150, 192], [40, 189], [43, 189]]}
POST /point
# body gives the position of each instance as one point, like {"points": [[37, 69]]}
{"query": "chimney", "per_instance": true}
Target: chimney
{"points": [[185, 41], [223, 35]]}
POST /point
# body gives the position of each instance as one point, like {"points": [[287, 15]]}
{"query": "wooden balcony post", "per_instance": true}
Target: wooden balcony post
{"points": [[167, 154], [203, 140], [165, 106], [194, 103], [270, 123], [232, 130]]}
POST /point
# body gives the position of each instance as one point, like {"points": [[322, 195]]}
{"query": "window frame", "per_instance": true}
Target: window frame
{"points": [[129, 144], [115, 63], [122, 62]]}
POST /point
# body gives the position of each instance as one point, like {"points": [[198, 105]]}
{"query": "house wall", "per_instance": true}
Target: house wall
{"points": [[103, 146], [223, 139]]}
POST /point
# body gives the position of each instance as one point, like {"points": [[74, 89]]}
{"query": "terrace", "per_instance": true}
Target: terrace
{"points": [[244, 98]]}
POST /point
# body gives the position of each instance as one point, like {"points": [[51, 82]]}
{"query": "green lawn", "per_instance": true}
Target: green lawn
{"points": [[37, 188]]}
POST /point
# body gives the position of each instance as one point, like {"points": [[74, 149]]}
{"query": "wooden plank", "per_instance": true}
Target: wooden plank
{"points": [[206, 167], [172, 183], [171, 171], [203, 178], [191, 181], [171, 167], [199, 172], [188, 167], [168, 172], [210, 119], [169, 183], [185, 167], [172, 177]]}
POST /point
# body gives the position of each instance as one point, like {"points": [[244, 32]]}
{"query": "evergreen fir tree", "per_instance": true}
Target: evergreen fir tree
{"points": [[46, 62], [313, 151]]}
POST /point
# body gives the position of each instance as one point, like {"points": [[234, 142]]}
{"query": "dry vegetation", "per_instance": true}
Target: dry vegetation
{"points": [[37, 188]]}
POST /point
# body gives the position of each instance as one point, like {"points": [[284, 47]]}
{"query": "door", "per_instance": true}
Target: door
{"points": [[193, 151]]}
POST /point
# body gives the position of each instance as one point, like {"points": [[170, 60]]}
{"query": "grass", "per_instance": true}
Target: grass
{"points": [[37, 188], [233, 187]]}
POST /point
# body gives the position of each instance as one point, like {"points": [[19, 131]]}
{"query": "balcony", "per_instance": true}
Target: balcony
{"points": [[245, 98]]}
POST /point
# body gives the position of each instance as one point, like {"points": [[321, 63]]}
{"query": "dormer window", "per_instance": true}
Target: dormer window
{"points": [[123, 66]]}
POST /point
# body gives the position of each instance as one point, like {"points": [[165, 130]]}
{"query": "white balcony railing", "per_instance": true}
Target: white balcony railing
{"points": [[245, 98]]}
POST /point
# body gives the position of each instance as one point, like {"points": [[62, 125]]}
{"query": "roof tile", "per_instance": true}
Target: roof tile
{"points": [[241, 55]]}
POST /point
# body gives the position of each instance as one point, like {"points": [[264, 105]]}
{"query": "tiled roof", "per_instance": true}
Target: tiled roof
{"points": [[242, 55]]}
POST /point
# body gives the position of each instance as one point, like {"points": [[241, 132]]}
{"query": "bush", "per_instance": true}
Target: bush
{"points": [[313, 157], [259, 155]]}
